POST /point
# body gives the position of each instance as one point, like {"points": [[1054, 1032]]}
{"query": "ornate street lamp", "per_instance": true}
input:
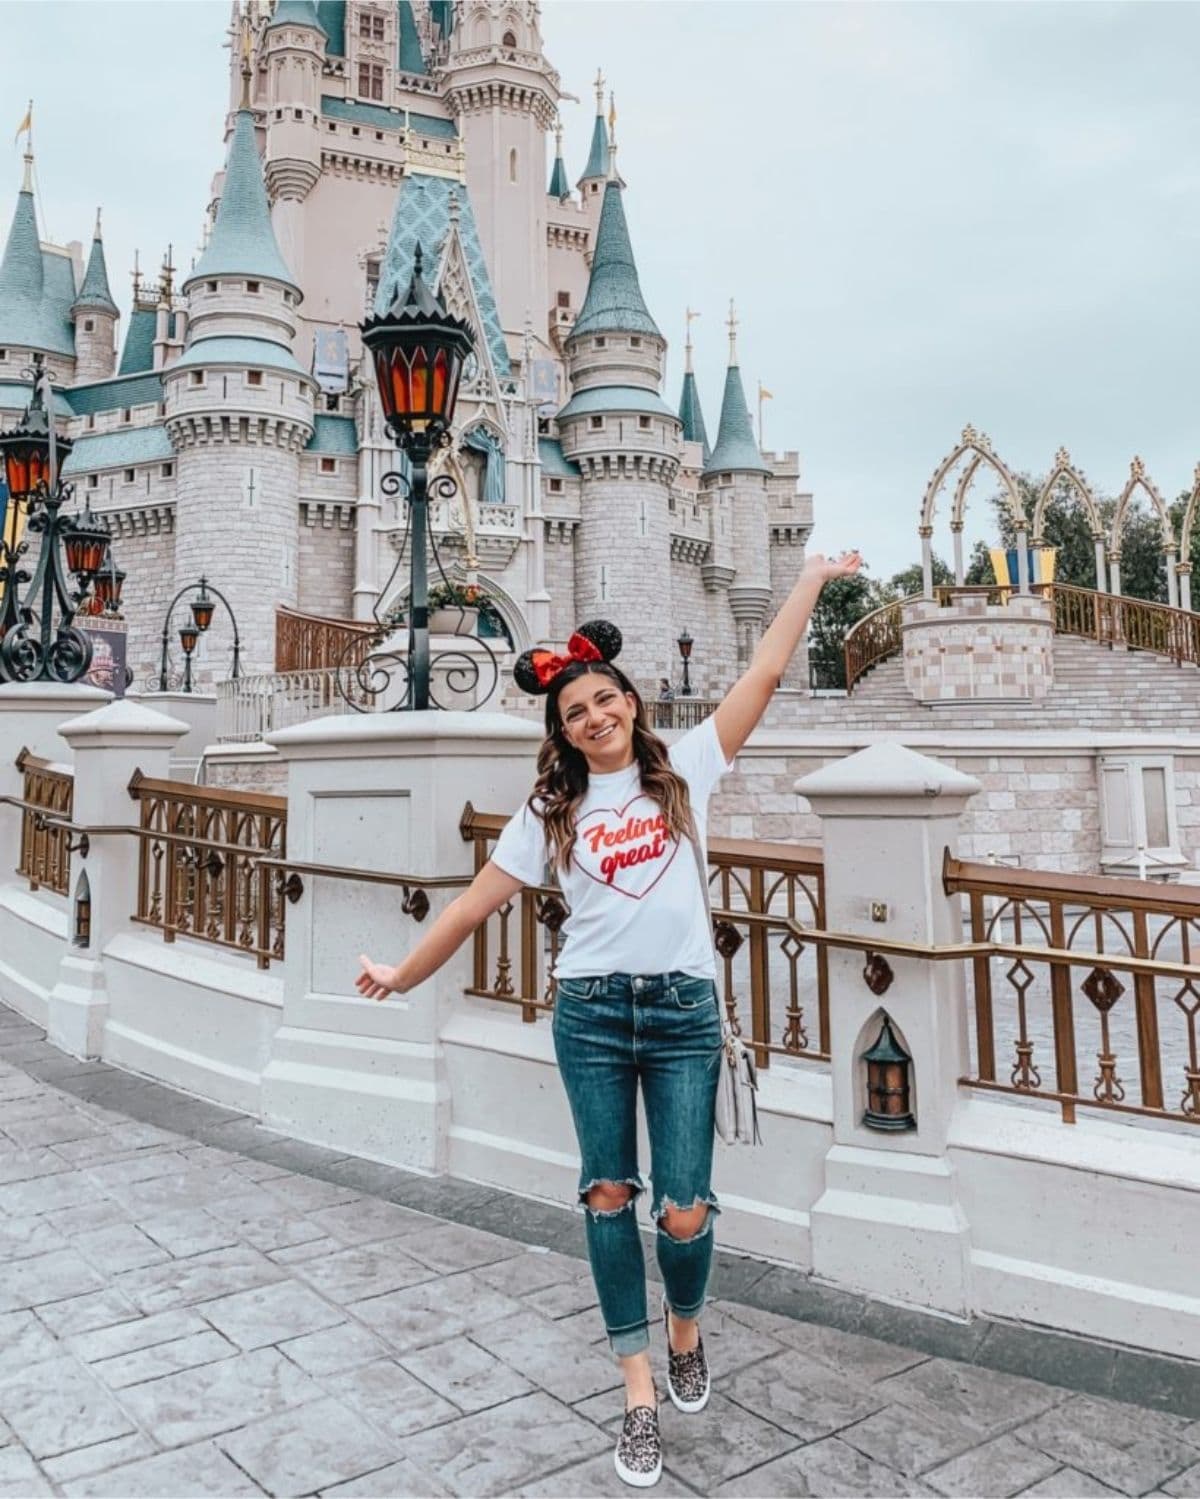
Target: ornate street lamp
{"points": [[203, 608], [888, 1083], [32, 647], [685, 643], [419, 351]]}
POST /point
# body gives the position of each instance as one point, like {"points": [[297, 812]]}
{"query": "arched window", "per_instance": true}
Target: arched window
{"points": [[509, 41], [512, 165]]}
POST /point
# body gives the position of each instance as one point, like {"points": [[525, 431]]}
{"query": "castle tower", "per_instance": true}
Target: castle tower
{"points": [[595, 173], [559, 187], [293, 44], [239, 409], [37, 288], [625, 440], [95, 316], [735, 477], [504, 95]]}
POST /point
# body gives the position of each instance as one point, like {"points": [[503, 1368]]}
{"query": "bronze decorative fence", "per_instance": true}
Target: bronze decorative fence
{"points": [[1097, 972], [770, 978], [45, 858], [870, 640], [199, 874], [680, 712], [1115, 620], [307, 642]]}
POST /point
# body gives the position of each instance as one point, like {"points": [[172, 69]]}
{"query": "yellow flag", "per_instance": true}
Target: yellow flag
{"points": [[763, 393], [25, 125], [612, 112]]}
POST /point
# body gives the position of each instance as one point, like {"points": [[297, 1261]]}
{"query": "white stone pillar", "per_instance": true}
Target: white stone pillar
{"points": [[380, 792], [927, 561], [1172, 578], [1022, 559], [890, 1222], [31, 714], [1114, 572], [960, 574], [108, 746], [1185, 585], [1101, 571]]}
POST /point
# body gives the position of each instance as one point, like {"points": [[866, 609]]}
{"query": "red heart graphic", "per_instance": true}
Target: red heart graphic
{"points": [[589, 863]]}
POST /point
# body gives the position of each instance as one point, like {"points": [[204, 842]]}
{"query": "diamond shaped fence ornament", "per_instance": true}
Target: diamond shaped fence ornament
{"points": [[1191, 1004], [1103, 988], [1020, 976], [791, 947]]}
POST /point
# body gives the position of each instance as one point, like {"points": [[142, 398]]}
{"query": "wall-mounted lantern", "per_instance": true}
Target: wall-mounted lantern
{"points": [[81, 929], [888, 1093]]}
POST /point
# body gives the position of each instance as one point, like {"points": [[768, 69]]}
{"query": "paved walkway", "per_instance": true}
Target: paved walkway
{"points": [[182, 1317]]}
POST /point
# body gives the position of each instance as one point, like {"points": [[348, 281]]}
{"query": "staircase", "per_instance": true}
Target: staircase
{"points": [[1095, 689]]}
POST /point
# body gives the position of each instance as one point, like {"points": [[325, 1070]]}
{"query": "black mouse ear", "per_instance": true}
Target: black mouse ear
{"points": [[526, 677], [604, 636]]}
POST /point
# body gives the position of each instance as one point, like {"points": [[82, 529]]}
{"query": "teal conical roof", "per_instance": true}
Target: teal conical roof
{"points": [[243, 242], [442, 14], [296, 13], [736, 448], [94, 292], [614, 302], [597, 162], [691, 415], [22, 277], [559, 187], [411, 58]]}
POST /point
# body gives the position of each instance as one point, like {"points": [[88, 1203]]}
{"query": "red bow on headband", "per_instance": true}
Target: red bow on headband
{"points": [[547, 665]]}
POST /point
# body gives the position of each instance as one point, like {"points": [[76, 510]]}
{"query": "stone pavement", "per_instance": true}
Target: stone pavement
{"points": [[192, 1305]]}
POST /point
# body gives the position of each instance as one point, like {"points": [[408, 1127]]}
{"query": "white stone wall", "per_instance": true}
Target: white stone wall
{"points": [[326, 553], [560, 578], [623, 570], [978, 650]]}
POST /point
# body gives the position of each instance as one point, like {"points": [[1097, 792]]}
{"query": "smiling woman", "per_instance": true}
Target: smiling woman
{"points": [[635, 1004]]}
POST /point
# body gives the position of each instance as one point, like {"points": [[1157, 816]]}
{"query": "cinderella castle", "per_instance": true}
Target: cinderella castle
{"points": [[229, 427]]}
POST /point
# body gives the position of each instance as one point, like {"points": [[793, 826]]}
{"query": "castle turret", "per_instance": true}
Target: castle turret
{"points": [[625, 440], [595, 173], [32, 311], [559, 187], [293, 44], [95, 316], [239, 410], [691, 417], [735, 478], [504, 96]]}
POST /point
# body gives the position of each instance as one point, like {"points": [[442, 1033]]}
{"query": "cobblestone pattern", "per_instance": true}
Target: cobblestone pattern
{"points": [[190, 1304]]}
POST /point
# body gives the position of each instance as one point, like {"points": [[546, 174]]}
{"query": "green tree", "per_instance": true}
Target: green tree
{"points": [[841, 604], [912, 580]]}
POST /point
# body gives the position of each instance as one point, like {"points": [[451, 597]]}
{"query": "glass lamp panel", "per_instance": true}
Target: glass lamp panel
{"points": [[420, 383], [440, 383]]}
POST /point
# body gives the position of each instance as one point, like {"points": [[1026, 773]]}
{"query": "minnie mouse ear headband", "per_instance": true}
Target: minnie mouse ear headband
{"points": [[597, 640]]}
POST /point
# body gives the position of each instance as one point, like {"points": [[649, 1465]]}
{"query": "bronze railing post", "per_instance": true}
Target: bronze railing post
{"points": [[1146, 1004], [1065, 1067]]}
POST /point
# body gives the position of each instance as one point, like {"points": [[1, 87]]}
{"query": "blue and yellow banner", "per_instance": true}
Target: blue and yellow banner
{"points": [[1041, 564]]}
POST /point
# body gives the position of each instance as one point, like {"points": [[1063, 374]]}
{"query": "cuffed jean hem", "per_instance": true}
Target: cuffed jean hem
{"points": [[630, 1340], [687, 1314]]}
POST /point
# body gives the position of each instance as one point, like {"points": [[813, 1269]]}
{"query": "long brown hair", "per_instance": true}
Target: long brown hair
{"points": [[562, 778]]}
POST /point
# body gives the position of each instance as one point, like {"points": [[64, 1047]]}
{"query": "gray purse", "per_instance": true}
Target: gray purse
{"points": [[735, 1116]]}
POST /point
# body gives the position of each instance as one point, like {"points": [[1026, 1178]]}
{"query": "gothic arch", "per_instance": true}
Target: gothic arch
{"points": [[1065, 471], [980, 447], [501, 600], [1139, 479]]}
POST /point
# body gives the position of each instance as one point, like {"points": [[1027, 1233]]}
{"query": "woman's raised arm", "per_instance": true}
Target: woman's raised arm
{"points": [[747, 699], [486, 893]]}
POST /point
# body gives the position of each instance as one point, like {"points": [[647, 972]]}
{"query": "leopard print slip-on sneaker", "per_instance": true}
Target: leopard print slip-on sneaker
{"points": [[638, 1456], [687, 1374]]}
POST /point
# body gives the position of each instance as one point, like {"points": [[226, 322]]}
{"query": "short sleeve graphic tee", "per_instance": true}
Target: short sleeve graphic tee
{"points": [[634, 892]]}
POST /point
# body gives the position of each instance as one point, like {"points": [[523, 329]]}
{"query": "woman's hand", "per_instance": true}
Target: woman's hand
{"points": [[377, 980], [825, 568]]}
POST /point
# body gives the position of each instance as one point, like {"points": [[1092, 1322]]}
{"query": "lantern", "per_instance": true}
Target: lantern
{"points": [[419, 350], [85, 544], [888, 1083], [108, 585], [203, 606], [188, 636]]}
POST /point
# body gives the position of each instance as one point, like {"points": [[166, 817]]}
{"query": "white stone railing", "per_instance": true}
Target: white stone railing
{"points": [[253, 706]]}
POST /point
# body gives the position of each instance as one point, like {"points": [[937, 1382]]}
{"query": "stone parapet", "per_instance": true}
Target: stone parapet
{"points": [[978, 650]]}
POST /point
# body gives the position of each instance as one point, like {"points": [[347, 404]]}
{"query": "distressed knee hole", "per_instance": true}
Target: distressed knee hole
{"points": [[686, 1224], [607, 1199]]}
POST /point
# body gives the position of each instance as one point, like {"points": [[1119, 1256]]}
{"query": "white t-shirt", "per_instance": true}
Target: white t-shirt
{"points": [[634, 892]]}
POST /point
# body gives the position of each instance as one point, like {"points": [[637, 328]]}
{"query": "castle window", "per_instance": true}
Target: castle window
{"points": [[279, 114], [253, 286], [379, 135], [254, 377], [372, 268], [93, 481], [91, 421], [370, 26], [331, 125], [167, 471], [726, 478], [556, 486], [329, 465], [644, 423], [671, 503], [370, 82], [597, 424], [599, 343], [3, 353], [594, 187], [210, 286], [127, 415], [564, 299], [130, 475], [333, 402], [354, 130], [88, 324], [635, 343], [297, 114], [512, 165]]}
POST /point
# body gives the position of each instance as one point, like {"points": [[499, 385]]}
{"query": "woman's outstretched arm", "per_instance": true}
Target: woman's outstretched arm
{"points": [[747, 699], [486, 893]]}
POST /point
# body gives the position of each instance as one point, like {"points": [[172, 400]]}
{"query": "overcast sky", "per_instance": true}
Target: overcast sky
{"points": [[928, 214]]}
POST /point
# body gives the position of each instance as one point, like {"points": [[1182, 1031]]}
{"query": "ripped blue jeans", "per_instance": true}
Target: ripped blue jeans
{"points": [[664, 1031]]}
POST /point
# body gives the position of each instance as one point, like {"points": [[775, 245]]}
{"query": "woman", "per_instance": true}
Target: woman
{"points": [[611, 813]]}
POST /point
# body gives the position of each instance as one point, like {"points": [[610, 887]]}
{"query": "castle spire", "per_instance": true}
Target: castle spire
{"points": [[614, 301], [736, 447], [243, 242], [559, 187], [597, 162], [94, 293], [690, 414], [22, 273], [296, 13], [411, 58]]}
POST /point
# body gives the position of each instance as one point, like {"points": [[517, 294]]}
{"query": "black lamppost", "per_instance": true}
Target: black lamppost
{"points": [[32, 647], [685, 644], [203, 608], [419, 351]]}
